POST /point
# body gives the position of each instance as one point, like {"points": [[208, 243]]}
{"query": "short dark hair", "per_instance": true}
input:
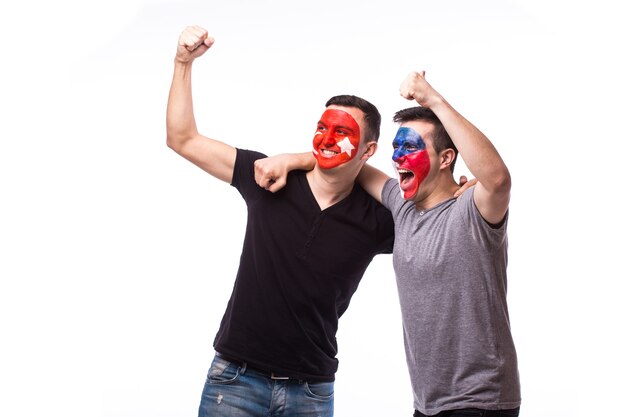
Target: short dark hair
{"points": [[372, 116], [440, 137]]}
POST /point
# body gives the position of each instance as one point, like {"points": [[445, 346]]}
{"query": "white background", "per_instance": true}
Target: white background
{"points": [[117, 256]]}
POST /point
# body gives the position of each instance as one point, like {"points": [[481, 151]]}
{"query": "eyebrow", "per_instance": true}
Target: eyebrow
{"points": [[349, 129], [337, 126]]}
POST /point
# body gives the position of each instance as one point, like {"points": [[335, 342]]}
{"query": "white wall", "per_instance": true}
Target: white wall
{"points": [[117, 256]]}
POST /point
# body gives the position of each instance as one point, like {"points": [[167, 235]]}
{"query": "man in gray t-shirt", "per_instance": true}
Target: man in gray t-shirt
{"points": [[450, 258]]}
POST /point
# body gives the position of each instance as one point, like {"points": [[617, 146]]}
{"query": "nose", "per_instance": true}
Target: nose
{"points": [[398, 155], [330, 139]]}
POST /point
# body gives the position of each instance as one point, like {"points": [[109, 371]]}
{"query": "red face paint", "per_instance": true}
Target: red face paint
{"points": [[336, 140], [412, 161], [412, 169]]}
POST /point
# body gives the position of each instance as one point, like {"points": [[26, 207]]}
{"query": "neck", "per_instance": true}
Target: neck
{"points": [[443, 190], [329, 186]]}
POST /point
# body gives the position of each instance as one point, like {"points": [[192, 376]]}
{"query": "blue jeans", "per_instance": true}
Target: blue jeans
{"points": [[233, 390], [473, 412]]}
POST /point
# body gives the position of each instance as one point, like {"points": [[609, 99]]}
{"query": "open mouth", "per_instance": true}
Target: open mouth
{"points": [[408, 182], [406, 176], [328, 152]]}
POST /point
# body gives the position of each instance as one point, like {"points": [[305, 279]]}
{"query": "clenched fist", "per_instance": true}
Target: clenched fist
{"points": [[192, 43], [415, 87]]}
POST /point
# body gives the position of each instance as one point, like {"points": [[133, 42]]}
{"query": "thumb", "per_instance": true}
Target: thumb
{"points": [[202, 47], [277, 185], [208, 42]]}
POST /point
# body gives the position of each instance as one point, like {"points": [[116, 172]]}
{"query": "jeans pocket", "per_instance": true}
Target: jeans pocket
{"points": [[222, 372], [320, 390]]}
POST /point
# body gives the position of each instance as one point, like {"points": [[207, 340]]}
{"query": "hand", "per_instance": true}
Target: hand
{"points": [[415, 87], [271, 173], [464, 185], [192, 43]]}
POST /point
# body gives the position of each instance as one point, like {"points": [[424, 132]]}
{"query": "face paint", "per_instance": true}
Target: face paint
{"points": [[336, 140], [411, 160]]}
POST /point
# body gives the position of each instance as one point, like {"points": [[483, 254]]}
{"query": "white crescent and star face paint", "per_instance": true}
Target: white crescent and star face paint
{"points": [[337, 139]]}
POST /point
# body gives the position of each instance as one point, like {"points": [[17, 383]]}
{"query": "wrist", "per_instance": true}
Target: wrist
{"points": [[307, 161], [182, 60], [304, 161], [435, 102], [182, 68]]}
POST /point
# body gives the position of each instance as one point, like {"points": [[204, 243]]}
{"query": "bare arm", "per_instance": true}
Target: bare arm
{"points": [[271, 172], [372, 180], [493, 189], [215, 157]]}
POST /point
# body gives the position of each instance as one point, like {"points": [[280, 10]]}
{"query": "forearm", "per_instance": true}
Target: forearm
{"points": [[372, 180], [180, 120], [303, 161], [271, 173]]}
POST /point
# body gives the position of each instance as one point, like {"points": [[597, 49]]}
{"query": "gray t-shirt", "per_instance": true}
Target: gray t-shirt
{"points": [[450, 269]]}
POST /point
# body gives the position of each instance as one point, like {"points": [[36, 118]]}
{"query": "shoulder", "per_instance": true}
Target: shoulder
{"points": [[243, 173], [373, 217], [365, 201], [473, 220], [392, 198], [467, 198], [247, 156], [391, 191]]}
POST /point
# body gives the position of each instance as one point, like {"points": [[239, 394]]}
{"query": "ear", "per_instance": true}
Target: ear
{"points": [[446, 157], [370, 149]]}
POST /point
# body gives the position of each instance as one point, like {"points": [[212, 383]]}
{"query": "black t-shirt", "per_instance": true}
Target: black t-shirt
{"points": [[298, 270]]}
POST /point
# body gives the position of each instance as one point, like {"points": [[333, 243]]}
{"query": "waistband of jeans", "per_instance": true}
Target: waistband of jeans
{"points": [[270, 374]]}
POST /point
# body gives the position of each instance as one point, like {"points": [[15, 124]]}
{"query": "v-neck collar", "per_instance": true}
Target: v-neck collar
{"points": [[314, 201]]}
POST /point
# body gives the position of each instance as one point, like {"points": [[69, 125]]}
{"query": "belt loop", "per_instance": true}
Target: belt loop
{"points": [[243, 368]]}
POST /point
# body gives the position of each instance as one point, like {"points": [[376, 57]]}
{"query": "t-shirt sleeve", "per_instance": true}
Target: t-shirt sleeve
{"points": [[243, 173], [485, 232], [392, 196]]}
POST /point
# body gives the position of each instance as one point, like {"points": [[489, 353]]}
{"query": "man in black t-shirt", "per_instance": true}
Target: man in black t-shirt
{"points": [[305, 250]]}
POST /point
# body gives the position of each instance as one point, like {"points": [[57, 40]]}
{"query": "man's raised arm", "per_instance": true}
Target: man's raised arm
{"points": [[493, 189], [215, 157]]}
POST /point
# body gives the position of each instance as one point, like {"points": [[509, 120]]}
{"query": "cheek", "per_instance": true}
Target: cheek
{"points": [[419, 163], [317, 140], [355, 141]]}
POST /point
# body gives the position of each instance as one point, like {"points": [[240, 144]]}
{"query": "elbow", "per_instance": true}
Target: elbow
{"points": [[501, 183], [175, 141], [171, 142]]}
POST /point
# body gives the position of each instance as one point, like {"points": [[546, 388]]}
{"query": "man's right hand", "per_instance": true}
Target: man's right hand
{"points": [[271, 172], [415, 87], [192, 43], [464, 185]]}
